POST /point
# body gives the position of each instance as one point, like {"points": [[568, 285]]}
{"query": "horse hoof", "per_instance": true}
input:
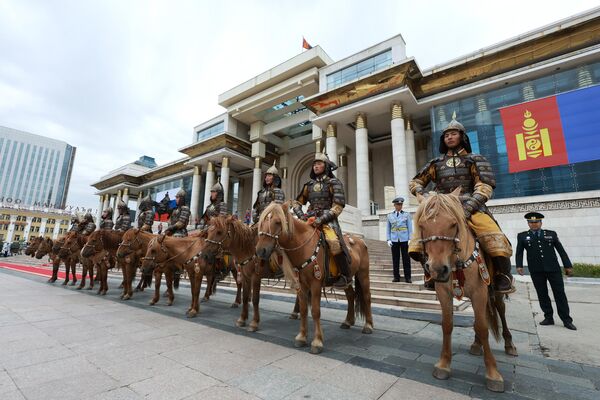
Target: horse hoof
{"points": [[475, 350], [240, 323], [191, 314], [300, 343], [104, 293], [152, 302], [511, 351], [204, 300], [90, 288], [316, 349], [367, 330], [235, 305], [65, 283], [252, 328], [99, 291], [345, 325], [494, 386], [293, 316], [169, 303], [441, 373], [79, 288]]}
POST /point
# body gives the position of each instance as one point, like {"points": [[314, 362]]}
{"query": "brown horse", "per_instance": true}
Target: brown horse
{"points": [[69, 254], [133, 246], [229, 234], [302, 243], [164, 255], [101, 245], [46, 247], [32, 245], [450, 246]]}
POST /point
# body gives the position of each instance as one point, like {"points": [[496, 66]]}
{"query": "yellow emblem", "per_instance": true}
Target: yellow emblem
{"points": [[453, 162], [317, 187], [533, 142]]}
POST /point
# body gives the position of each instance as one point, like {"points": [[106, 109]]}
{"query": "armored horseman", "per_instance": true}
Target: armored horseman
{"points": [[459, 167], [87, 226], [327, 199], [271, 191], [75, 223], [145, 218], [216, 207], [106, 221], [180, 218], [123, 222]]}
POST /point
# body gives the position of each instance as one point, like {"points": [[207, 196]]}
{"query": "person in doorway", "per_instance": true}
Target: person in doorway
{"points": [[399, 229], [540, 245]]}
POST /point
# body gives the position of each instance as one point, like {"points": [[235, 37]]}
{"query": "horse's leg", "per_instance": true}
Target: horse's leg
{"points": [[74, 272], [193, 310], [296, 310], [509, 346], [238, 295], [476, 346], [441, 369], [157, 279], [246, 289], [350, 319], [169, 278], [84, 271], [316, 345], [124, 272], [55, 265], [105, 266], [67, 262], [210, 279], [364, 283], [493, 379], [302, 297], [255, 300]]}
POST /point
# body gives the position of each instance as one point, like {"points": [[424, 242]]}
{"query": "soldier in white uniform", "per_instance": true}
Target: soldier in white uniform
{"points": [[399, 230]]}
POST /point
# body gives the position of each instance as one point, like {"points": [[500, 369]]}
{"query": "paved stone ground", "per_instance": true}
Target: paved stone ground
{"points": [[56, 342]]}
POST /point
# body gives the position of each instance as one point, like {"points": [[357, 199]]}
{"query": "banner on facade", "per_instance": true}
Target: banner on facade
{"points": [[166, 201], [552, 131]]}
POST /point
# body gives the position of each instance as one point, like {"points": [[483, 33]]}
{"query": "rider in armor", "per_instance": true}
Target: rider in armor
{"points": [[87, 226], [106, 221], [216, 207], [145, 218], [459, 167], [325, 193], [180, 218], [271, 191], [74, 223], [124, 219]]}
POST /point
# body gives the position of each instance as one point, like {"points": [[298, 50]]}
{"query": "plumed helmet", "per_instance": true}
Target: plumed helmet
{"points": [[276, 178], [273, 169], [74, 218], [217, 187], [121, 205], [88, 217], [108, 211], [454, 125], [146, 203], [181, 193]]}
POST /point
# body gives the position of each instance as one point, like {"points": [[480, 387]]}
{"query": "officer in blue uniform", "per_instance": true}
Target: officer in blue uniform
{"points": [[399, 230], [543, 267]]}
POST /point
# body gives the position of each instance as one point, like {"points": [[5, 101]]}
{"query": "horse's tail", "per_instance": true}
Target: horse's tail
{"points": [[492, 314], [359, 299]]}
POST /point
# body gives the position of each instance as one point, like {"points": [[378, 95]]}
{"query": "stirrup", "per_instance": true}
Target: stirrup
{"points": [[504, 277], [342, 282]]}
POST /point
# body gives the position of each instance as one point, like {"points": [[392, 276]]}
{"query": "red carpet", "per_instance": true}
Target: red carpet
{"points": [[35, 270]]}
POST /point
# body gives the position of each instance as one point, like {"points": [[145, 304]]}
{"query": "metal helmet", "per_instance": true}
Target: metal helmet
{"points": [[74, 218], [146, 203], [330, 166], [276, 178], [454, 125], [121, 206], [218, 188], [181, 193], [109, 212], [273, 169], [88, 217]]}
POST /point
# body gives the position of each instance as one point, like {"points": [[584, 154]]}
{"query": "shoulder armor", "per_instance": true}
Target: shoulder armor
{"points": [[484, 169]]}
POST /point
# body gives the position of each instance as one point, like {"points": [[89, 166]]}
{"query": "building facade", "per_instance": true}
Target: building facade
{"points": [[34, 170], [18, 224], [379, 116]]}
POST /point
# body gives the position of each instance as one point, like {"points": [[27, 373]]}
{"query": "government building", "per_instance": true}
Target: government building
{"points": [[529, 105]]}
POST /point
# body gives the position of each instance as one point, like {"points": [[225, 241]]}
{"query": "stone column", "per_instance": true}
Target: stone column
{"points": [[11, 228], [342, 171], [100, 209], [56, 229], [256, 180], [27, 228], [106, 203], [126, 196], [331, 144], [225, 180], [363, 183], [194, 202], [115, 212], [411, 155], [399, 151], [137, 207], [43, 226], [210, 181]]}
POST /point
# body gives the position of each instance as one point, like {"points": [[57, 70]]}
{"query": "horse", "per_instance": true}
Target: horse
{"points": [[302, 243], [230, 234], [46, 247], [449, 247], [166, 253], [69, 254], [100, 247], [32, 245], [133, 246]]}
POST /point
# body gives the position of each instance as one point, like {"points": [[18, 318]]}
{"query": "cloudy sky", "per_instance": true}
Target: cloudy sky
{"points": [[119, 79]]}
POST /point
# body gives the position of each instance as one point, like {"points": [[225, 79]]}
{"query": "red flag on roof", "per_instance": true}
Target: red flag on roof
{"points": [[305, 44]]}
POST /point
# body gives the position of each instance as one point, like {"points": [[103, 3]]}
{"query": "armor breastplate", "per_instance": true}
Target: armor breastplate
{"points": [[319, 197], [175, 215], [211, 210], [452, 172], [265, 197], [106, 224]]}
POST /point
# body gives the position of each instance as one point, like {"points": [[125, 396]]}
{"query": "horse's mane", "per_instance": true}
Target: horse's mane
{"points": [[241, 234], [439, 203], [111, 238], [280, 211]]}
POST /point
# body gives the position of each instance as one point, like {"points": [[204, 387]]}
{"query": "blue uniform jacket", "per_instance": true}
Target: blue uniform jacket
{"points": [[399, 227]]}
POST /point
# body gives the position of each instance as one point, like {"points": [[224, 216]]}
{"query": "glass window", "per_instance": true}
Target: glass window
{"points": [[358, 70], [210, 131]]}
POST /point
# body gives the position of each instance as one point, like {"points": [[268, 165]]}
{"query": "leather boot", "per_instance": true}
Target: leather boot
{"points": [[176, 278], [344, 280], [503, 279]]}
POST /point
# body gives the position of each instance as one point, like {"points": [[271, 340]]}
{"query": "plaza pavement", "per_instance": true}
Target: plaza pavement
{"points": [[59, 343]]}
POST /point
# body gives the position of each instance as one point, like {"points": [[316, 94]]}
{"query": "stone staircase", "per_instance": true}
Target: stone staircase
{"points": [[383, 291]]}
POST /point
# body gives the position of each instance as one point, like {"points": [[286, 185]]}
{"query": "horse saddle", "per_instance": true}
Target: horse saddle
{"points": [[332, 271]]}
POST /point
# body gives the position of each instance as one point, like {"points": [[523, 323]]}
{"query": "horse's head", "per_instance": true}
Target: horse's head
{"points": [[44, 248], [94, 244], [155, 254], [69, 245], [32, 246], [218, 237], [128, 243], [441, 223], [273, 224]]}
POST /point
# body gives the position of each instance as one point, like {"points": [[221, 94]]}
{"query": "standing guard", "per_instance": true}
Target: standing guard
{"points": [[216, 207], [271, 191], [180, 218], [75, 224], [459, 167], [145, 218], [124, 219], [87, 226], [325, 193], [106, 221]]}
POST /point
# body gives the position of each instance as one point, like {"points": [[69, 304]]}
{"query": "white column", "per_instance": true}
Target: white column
{"points": [[115, 212], [342, 171], [225, 181], [411, 155], [106, 203], [210, 181], [137, 207], [196, 182], [43, 226], [399, 151], [256, 180], [126, 196], [362, 165], [27, 228], [56, 229], [11, 228], [100, 209], [331, 144]]}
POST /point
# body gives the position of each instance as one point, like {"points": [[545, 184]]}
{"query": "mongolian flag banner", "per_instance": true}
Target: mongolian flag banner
{"points": [[552, 131]]}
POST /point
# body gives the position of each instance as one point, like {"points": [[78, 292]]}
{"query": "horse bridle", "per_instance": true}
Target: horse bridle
{"points": [[129, 244], [94, 246], [459, 264], [220, 243], [165, 251]]}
